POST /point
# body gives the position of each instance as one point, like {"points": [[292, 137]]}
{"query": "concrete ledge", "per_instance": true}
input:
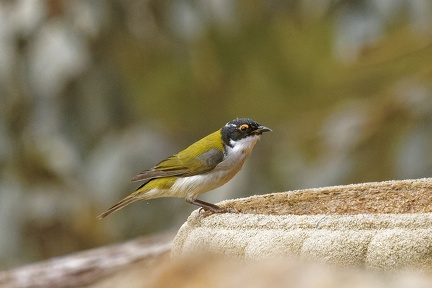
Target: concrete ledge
{"points": [[383, 225]]}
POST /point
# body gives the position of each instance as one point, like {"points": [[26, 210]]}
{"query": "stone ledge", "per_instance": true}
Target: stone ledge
{"points": [[383, 225]]}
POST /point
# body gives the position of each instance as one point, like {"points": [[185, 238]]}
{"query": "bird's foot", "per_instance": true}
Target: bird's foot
{"points": [[205, 206], [208, 209], [205, 212]]}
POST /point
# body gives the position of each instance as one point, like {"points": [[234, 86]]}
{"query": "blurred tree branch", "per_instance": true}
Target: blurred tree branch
{"points": [[88, 267]]}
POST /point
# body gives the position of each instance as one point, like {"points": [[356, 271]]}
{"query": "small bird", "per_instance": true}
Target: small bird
{"points": [[203, 166]]}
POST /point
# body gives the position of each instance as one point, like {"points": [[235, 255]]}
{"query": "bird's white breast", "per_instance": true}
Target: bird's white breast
{"points": [[232, 163]]}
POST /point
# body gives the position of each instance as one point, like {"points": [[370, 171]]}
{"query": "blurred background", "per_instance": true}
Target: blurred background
{"points": [[93, 92]]}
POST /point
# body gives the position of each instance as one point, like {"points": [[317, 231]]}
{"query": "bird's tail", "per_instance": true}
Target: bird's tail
{"points": [[124, 202], [150, 189]]}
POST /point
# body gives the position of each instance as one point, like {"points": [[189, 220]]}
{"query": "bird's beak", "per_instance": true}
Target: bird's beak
{"points": [[261, 129]]}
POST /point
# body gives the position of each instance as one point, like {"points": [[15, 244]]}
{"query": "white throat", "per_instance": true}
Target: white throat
{"points": [[239, 150], [245, 144]]}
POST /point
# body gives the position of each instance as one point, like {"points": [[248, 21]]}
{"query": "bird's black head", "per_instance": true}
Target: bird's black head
{"points": [[241, 128]]}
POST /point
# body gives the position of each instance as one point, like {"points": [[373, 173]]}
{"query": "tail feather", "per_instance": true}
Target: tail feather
{"points": [[150, 189], [126, 201]]}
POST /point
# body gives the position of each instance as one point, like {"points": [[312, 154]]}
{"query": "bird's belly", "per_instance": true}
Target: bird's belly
{"points": [[193, 186]]}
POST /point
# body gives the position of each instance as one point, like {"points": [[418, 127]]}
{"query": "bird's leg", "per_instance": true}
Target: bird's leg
{"points": [[207, 207]]}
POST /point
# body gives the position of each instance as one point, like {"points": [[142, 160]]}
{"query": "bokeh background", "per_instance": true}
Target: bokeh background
{"points": [[93, 92]]}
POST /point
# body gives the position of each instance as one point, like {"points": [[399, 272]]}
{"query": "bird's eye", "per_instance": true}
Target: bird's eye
{"points": [[243, 127]]}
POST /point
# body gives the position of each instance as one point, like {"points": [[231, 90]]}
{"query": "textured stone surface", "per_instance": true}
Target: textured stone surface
{"points": [[385, 226]]}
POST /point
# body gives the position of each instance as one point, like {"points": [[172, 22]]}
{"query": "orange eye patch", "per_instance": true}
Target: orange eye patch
{"points": [[243, 127]]}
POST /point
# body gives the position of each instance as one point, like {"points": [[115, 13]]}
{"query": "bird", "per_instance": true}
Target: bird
{"points": [[203, 166]]}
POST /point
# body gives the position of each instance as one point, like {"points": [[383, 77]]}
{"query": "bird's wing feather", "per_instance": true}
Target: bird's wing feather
{"points": [[176, 166], [154, 173], [187, 162]]}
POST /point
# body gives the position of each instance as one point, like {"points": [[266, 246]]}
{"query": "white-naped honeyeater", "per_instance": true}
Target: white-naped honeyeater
{"points": [[201, 167]]}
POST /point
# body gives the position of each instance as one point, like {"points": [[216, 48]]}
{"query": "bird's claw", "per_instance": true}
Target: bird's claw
{"points": [[204, 212]]}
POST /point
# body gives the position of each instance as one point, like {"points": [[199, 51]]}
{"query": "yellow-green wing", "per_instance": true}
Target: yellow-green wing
{"points": [[191, 161]]}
